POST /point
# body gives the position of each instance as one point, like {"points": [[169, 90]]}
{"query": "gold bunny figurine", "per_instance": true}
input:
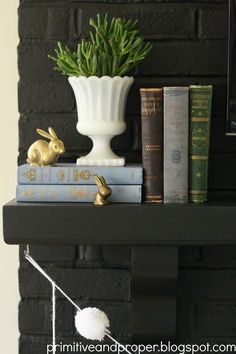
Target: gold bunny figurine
{"points": [[103, 193], [42, 153]]}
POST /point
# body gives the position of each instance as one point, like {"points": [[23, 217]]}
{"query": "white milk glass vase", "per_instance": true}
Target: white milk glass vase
{"points": [[101, 105]]}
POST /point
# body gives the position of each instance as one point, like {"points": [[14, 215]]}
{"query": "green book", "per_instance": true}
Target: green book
{"points": [[200, 120]]}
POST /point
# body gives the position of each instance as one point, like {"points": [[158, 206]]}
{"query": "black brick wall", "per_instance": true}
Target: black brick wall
{"points": [[190, 46]]}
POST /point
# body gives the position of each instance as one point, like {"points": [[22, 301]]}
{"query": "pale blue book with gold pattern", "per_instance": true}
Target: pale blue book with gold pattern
{"points": [[73, 174], [76, 194]]}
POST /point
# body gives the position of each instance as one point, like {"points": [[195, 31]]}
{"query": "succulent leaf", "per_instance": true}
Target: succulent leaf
{"points": [[114, 48]]}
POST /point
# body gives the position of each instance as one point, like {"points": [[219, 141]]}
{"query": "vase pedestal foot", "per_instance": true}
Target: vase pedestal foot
{"points": [[101, 153], [84, 161]]}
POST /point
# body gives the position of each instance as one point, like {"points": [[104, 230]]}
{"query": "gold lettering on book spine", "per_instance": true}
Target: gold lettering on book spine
{"points": [[199, 157], [79, 193], [61, 176], [198, 191], [28, 193], [151, 105], [81, 175], [200, 119], [30, 175]]}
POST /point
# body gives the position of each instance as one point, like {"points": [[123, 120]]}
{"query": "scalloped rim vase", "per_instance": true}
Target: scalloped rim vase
{"points": [[101, 105]]}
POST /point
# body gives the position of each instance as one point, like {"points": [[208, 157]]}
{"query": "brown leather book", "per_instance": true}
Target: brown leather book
{"points": [[152, 143]]}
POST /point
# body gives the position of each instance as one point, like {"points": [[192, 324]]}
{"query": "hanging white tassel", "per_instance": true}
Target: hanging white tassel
{"points": [[92, 323]]}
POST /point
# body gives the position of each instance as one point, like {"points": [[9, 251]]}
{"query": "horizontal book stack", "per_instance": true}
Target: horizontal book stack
{"points": [[175, 143], [72, 183]]}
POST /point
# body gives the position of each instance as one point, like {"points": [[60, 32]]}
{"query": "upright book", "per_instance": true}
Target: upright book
{"points": [[176, 133], [76, 194], [152, 143], [200, 118], [72, 174]]}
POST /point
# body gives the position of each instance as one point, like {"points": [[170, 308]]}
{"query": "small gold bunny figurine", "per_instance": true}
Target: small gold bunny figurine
{"points": [[103, 193], [42, 153]]}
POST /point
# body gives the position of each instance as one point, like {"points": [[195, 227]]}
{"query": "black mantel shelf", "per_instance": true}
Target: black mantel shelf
{"points": [[154, 232], [70, 223]]}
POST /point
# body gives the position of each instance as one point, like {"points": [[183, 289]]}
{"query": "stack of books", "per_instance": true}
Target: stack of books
{"points": [[175, 143], [71, 183]]}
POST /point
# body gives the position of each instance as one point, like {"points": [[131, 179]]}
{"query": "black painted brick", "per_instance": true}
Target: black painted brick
{"points": [[43, 22], [46, 96], [58, 23], [219, 257], [102, 284], [105, 256], [89, 255], [120, 255], [189, 255], [33, 57], [31, 345], [32, 22], [51, 253], [185, 321], [222, 175], [207, 257], [163, 23], [216, 319], [219, 141], [35, 318], [206, 319], [213, 23], [207, 284], [181, 58], [167, 58]]}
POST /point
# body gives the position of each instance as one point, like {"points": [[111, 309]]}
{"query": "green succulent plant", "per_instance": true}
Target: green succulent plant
{"points": [[113, 48]]}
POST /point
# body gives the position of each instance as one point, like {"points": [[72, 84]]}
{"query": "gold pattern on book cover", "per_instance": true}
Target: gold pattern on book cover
{"points": [[61, 176], [81, 175], [30, 174], [80, 193], [28, 193]]}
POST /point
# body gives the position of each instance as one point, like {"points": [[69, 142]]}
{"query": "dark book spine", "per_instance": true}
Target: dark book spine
{"points": [[152, 144]]}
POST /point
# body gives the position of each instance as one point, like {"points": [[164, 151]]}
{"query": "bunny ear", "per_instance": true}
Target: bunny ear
{"points": [[98, 181], [52, 133], [103, 181], [44, 134]]}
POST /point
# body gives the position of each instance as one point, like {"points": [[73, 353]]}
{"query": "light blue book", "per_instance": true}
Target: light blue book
{"points": [[76, 194], [73, 174]]}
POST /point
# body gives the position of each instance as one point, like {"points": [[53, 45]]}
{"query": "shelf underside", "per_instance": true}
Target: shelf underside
{"points": [[69, 223]]}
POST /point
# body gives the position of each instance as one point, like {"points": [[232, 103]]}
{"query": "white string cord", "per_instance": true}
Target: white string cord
{"points": [[37, 266], [53, 318], [54, 287]]}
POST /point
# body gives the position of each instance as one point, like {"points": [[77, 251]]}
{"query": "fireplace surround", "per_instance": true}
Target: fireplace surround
{"points": [[192, 276]]}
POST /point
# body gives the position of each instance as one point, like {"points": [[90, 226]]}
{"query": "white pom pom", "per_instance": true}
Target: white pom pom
{"points": [[92, 323]]}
